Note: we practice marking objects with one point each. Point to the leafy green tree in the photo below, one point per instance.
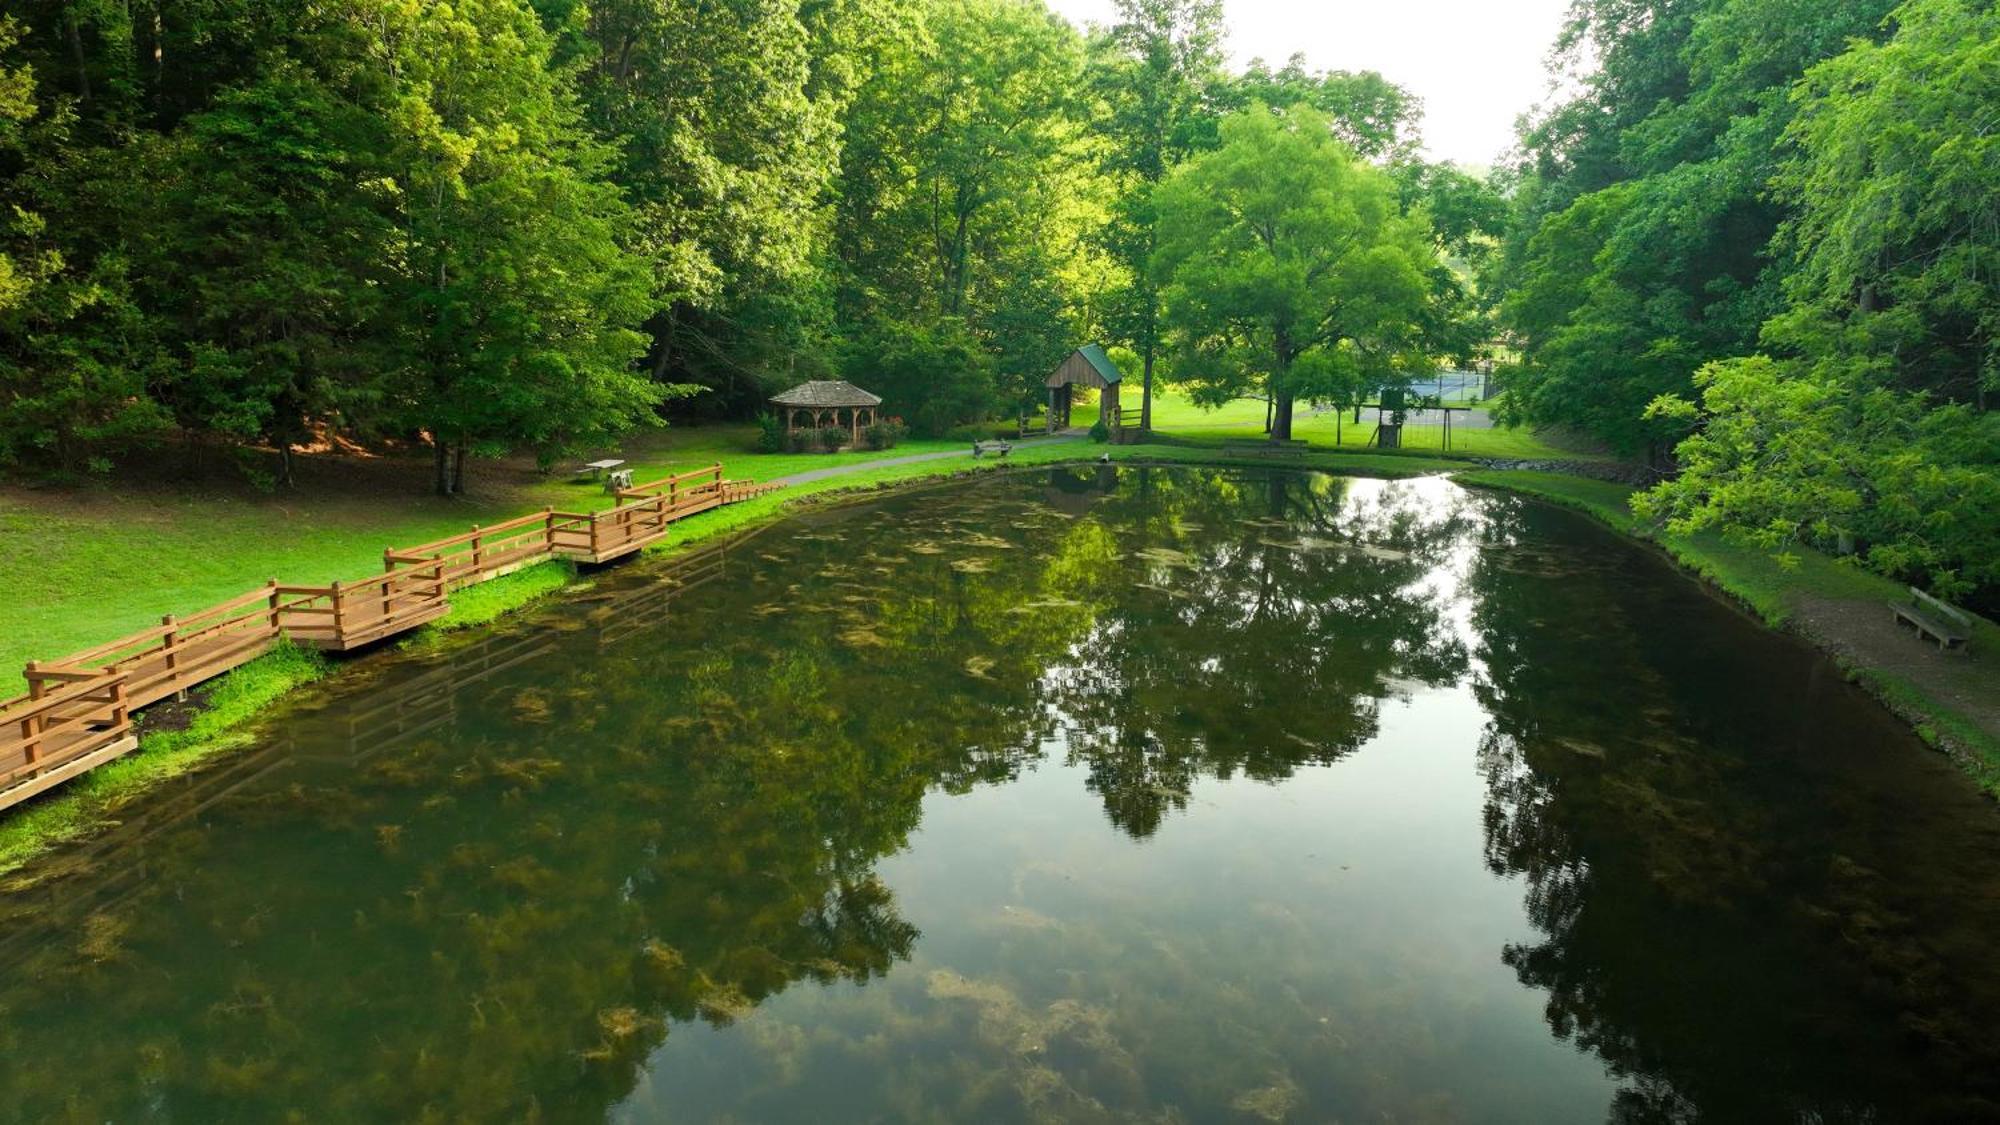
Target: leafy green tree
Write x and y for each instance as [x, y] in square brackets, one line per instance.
[516, 298]
[1377, 118]
[968, 189]
[1643, 246]
[1868, 429]
[264, 262]
[1289, 267]
[1158, 71]
[726, 151]
[1792, 453]
[1897, 190]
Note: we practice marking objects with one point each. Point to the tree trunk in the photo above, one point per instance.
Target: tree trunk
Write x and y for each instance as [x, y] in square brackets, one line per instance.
[441, 464]
[75, 37]
[458, 468]
[1281, 416]
[1146, 395]
[285, 463]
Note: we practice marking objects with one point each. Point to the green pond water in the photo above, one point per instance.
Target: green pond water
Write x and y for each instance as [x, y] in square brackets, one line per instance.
[1077, 795]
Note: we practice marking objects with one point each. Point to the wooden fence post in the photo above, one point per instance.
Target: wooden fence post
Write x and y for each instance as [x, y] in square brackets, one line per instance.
[339, 626]
[119, 715]
[275, 626]
[167, 646]
[31, 723]
[478, 554]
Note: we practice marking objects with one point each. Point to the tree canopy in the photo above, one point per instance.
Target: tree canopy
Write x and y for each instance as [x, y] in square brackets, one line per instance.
[1289, 266]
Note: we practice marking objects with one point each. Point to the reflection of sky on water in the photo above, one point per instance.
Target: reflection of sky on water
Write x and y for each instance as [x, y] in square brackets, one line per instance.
[1325, 936]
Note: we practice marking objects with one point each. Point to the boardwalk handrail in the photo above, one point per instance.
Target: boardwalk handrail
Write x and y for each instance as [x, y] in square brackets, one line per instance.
[77, 713]
[46, 730]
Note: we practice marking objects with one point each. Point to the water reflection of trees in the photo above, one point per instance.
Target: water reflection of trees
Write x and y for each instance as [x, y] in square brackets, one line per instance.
[1714, 916]
[1248, 625]
[491, 882]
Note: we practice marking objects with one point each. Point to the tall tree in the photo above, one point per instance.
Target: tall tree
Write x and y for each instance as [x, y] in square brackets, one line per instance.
[1289, 266]
[517, 299]
[967, 189]
[1868, 426]
[1643, 249]
[1157, 71]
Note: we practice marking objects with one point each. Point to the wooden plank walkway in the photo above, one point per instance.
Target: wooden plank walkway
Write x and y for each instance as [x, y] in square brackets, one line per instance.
[77, 713]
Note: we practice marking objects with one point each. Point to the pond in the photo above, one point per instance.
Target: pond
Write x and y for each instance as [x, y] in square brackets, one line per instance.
[1081, 794]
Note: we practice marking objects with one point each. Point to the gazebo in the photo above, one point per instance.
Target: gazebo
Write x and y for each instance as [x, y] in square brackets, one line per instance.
[820, 403]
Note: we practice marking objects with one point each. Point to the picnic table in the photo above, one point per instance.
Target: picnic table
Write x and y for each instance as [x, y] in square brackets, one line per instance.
[598, 468]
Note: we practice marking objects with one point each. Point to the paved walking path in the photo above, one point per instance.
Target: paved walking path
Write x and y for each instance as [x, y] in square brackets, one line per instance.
[811, 475]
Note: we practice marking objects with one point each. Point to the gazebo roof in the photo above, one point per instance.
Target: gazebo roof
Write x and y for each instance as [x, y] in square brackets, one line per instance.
[826, 392]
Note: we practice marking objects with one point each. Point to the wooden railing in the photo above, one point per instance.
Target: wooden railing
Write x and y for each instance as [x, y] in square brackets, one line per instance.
[179, 652]
[483, 552]
[53, 734]
[350, 614]
[77, 710]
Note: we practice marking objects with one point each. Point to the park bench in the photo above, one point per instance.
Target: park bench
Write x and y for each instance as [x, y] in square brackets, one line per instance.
[598, 468]
[1001, 448]
[1293, 448]
[1948, 625]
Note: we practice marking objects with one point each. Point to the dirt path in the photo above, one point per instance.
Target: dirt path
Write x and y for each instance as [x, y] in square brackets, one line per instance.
[811, 475]
[1866, 635]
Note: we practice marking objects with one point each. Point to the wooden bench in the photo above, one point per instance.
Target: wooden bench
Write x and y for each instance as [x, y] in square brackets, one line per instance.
[1002, 448]
[1948, 625]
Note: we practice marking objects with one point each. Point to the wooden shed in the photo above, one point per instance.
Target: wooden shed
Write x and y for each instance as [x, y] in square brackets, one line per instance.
[1087, 366]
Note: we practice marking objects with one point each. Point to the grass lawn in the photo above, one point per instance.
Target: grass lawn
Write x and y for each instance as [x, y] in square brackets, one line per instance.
[1177, 416]
[88, 564]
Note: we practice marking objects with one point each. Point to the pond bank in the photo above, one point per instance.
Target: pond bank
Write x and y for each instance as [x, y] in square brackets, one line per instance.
[1951, 701]
[74, 812]
[103, 797]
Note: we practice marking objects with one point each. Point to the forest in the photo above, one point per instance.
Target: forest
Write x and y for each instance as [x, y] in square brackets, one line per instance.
[1753, 246]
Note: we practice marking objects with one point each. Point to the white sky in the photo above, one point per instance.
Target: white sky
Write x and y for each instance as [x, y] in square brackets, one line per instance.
[1475, 63]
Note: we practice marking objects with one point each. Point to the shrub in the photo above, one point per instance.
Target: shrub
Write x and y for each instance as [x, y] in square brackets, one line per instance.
[1099, 432]
[770, 433]
[884, 435]
[831, 438]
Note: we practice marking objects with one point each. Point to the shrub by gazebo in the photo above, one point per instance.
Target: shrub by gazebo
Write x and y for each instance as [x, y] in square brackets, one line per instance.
[827, 402]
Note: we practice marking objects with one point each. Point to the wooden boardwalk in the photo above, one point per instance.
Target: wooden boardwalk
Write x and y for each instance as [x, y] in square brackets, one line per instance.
[77, 713]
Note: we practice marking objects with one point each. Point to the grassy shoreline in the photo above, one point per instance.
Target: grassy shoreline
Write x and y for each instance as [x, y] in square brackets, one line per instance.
[1774, 593]
[235, 703]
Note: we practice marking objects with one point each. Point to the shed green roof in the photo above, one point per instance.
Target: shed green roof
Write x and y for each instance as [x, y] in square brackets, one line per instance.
[1094, 355]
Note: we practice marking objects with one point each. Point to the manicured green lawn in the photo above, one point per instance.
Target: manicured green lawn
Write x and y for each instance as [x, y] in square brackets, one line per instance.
[85, 565]
[1176, 415]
